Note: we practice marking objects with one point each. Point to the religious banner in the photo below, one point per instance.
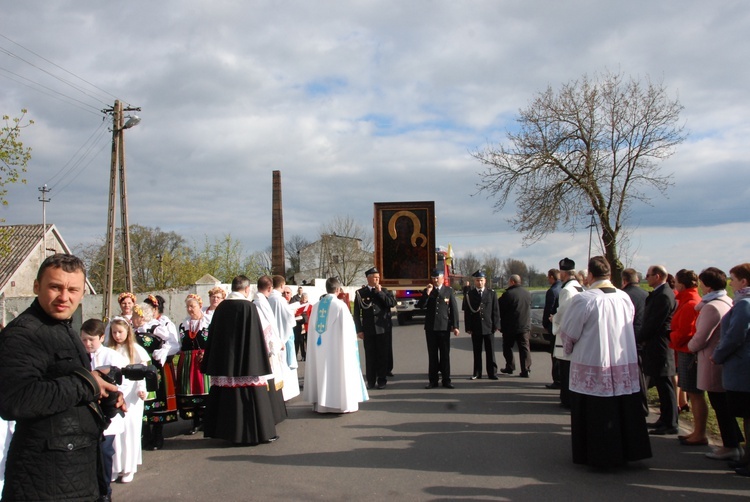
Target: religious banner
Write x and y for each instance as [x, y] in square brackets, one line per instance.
[404, 242]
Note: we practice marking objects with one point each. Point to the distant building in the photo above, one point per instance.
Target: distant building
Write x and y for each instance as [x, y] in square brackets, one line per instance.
[334, 256]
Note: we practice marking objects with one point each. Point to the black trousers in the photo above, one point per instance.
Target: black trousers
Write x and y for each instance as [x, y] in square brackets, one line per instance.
[524, 350]
[439, 355]
[564, 367]
[667, 399]
[488, 341]
[376, 358]
[731, 434]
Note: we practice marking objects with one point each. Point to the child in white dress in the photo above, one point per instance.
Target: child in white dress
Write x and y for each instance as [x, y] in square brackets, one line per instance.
[128, 443]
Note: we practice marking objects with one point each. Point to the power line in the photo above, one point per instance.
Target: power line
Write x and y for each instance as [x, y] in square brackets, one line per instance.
[60, 68]
[52, 93]
[70, 164]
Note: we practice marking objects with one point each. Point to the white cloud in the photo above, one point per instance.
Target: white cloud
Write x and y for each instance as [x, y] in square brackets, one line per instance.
[363, 102]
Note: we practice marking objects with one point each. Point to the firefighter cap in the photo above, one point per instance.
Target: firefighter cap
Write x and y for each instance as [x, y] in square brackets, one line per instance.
[437, 272]
[478, 274]
[373, 270]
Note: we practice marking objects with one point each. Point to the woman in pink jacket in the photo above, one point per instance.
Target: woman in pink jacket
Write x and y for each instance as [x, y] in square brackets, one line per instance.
[711, 309]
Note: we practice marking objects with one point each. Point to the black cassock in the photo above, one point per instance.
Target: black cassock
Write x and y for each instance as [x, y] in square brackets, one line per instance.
[242, 414]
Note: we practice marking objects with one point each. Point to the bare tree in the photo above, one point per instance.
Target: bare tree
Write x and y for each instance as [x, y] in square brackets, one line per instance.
[493, 267]
[468, 264]
[345, 250]
[594, 144]
[293, 247]
[512, 266]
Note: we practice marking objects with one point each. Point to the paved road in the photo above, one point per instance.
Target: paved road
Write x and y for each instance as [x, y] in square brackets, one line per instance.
[484, 440]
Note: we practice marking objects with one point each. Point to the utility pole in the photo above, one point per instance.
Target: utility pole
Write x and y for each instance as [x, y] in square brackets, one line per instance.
[43, 199]
[117, 170]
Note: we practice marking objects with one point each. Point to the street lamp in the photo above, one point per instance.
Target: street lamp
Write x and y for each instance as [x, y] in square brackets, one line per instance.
[118, 167]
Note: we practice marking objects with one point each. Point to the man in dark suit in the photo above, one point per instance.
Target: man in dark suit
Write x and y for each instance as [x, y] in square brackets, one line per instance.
[372, 318]
[658, 358]
[515, 323]
[550, 300]
[441, 318]
[482, 319]
[638, 295]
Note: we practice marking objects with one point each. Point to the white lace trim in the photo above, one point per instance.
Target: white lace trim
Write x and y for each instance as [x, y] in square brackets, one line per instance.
[244, 381]
[603, 381]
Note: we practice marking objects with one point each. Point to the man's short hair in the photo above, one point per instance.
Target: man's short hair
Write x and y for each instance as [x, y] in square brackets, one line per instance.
[554, 274]
[630, 275]
[240, 283]
[278, 281]
[67, 262]
[332, 284]
[264, 283]
[599, 267]
[714, 278]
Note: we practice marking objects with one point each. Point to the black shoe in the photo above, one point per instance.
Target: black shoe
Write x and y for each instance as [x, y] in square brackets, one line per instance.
[474, 377]
[743, 471]
[553, 385]
[492, 377]
[507, 371]
[271, 440]
[734, 464]
[524, 374]
[448, 386]
[664, 431]
[380, 386]
[430, 385]
[390, 374]
[654, 425]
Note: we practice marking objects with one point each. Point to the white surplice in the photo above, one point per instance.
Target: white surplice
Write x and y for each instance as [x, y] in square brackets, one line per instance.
[276, 349]
[333, 375]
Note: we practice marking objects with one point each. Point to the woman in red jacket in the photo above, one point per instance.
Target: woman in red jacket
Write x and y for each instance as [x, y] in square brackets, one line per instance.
[683, 329]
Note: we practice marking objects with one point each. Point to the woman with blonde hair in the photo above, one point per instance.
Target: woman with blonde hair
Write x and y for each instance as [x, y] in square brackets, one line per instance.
[215, 297]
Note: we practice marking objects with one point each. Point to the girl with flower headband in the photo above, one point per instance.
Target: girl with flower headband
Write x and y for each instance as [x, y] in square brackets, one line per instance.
[192, 384]
[159, 407]
[128, 442]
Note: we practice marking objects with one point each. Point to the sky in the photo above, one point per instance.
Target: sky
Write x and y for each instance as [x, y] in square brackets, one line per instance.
[361, 102]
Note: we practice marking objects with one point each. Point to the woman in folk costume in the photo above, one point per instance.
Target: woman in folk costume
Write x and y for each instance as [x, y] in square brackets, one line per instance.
[192, 385]
[160, 407]
[333, 375]
[215, 297]
[126, 301]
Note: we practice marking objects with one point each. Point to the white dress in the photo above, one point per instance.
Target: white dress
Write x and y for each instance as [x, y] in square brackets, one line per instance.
[128, 443]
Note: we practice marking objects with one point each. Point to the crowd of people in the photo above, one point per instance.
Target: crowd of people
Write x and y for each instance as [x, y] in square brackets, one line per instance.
[229, 367]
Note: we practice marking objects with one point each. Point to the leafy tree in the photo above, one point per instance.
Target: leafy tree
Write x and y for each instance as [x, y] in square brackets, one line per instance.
[14, 157]
[223, 258]
[594, 144]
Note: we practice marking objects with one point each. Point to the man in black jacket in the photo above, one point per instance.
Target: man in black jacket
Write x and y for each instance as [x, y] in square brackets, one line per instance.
[372, 319]
[441, 318]
[638, 296]
[47, 388]
[550, 300]
[482, 319]
[515, 323]
[657, 357]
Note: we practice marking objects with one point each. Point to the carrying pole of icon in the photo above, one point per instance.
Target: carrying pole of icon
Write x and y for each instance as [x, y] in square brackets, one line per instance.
[117, 171]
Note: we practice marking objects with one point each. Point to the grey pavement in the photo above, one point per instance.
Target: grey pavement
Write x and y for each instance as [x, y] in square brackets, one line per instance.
[483, 440]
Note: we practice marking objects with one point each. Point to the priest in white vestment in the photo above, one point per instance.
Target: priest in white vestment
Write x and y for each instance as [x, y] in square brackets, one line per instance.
[283, 374]
[333, 375]
[608, 426]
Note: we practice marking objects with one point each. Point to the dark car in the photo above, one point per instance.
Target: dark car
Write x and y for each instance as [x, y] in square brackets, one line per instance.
[537, 311]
